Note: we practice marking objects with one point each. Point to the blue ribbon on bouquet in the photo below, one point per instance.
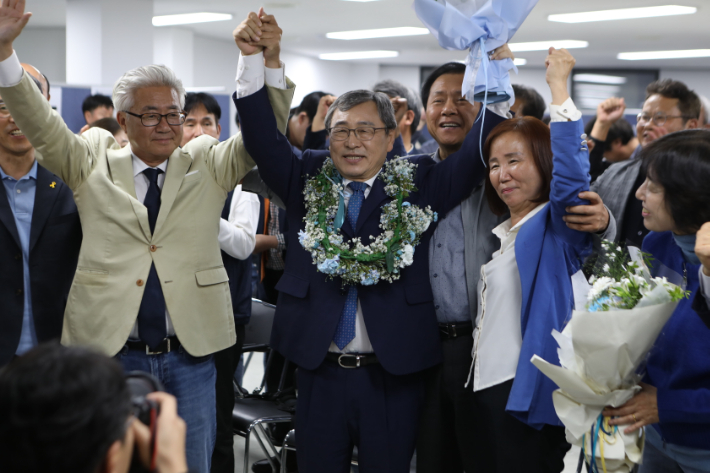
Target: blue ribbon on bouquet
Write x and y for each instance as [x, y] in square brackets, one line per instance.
[598, 437]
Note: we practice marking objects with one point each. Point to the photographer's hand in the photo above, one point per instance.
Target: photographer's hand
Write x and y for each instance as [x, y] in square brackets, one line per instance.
[170, 437]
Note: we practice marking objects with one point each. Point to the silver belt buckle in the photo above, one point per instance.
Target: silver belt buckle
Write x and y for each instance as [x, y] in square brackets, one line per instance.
[453, 333]
[148, 352]
[346, 356]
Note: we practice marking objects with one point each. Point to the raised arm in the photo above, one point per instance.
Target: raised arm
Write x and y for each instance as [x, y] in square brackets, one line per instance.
[570, 157]
[257, 37]
[70, 157]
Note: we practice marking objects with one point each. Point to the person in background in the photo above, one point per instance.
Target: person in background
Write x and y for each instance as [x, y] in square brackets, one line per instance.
[69, 410]
[410, 118]
[528, 102]
[674, 401]
[301, 119]
[669, 107]
[612, 137]
[111, 125]
[704, 112]
[96, 107]
[43, 81]
[40, 237]
[237, 229]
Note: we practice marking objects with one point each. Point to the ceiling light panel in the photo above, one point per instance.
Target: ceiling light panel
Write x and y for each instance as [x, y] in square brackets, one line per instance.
[648, 55]
[622, 14]
[189, 18]
[357, 55]
[378, 33]
[545, 45]
[518, 61]
[599, 79]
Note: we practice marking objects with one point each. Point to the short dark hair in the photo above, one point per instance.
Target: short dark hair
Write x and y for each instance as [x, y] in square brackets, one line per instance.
[533, 103]
[109, 124]
[92, 102]
[537, 135]
[688, 101]
[36, 81]
[680, 163]
[193, 99]
[448, 68]
[47, 79]
[61, 408]
[392, 89]
[309, 104]
[355, 97]
[619, 130]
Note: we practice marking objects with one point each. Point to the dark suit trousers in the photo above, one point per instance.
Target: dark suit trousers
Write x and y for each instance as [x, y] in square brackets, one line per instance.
[447, 429]
[503, 444]
[226, 362]
[339, 408]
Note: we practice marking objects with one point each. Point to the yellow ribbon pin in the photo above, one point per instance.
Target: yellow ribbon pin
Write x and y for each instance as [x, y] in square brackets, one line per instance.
[53, 185]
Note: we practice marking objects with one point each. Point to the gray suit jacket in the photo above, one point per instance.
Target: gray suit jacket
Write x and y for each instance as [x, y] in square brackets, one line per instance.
[615, 186]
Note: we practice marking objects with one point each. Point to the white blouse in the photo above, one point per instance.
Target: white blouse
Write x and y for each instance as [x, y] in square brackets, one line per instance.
[497, 338]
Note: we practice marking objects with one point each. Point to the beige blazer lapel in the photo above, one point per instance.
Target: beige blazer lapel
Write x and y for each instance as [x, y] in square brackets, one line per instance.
[120, 164]
[178, 164]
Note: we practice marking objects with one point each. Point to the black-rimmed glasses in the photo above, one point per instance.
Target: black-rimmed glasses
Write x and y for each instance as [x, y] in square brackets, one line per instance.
[152, 119]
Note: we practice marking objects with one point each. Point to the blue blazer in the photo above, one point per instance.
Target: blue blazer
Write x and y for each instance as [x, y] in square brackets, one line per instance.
[399, 316]
[55, 239]
[548, 253]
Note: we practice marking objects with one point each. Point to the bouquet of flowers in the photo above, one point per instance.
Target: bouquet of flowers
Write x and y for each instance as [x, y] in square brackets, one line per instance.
[601, 351]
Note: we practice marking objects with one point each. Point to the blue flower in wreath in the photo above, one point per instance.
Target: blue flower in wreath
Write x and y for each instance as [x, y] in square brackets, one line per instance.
[435, 217]
[406, 204]
[370, 278]
[330, 265]
[598, 304]
[302, 238]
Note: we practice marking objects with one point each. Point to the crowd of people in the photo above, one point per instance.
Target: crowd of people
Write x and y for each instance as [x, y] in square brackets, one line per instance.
[415, 272]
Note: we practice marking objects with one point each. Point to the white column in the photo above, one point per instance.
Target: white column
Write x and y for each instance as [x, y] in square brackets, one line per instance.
[106, 38]
[174, 47]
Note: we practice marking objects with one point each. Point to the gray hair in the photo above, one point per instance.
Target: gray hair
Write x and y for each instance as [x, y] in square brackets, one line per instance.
[355, 97]
[392, 89]
[146, 76]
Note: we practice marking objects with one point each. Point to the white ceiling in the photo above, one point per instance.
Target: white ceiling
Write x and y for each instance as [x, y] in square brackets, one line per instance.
[305, 23]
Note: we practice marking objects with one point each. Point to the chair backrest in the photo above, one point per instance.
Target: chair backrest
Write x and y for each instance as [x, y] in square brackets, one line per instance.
[257, 332]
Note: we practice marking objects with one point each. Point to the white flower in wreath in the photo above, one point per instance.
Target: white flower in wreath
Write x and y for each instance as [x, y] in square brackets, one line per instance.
[407, 255]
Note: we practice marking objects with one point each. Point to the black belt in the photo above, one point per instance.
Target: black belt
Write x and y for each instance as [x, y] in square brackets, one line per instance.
[166, 346]
[352, 360]
[458, 329]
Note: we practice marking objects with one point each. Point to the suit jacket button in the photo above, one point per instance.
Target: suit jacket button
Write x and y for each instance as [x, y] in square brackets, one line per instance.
[18, 292]
[139, 282]
[18, 256]
[153, 248]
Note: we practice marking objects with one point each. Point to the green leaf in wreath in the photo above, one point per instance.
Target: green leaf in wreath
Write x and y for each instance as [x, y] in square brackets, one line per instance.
[389, 258]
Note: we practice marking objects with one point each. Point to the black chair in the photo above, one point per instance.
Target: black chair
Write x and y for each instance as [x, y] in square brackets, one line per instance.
[253, 410]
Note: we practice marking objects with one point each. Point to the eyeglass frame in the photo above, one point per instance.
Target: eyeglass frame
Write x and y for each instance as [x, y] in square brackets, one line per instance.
[330, 132]
[141, 115]
[652, 119]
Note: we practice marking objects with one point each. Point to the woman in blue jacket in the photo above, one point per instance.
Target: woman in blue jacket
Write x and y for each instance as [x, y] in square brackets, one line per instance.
[525, 291]
[675, 396]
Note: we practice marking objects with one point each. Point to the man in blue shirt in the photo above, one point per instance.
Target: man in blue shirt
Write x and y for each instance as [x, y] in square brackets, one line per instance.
[40, 236]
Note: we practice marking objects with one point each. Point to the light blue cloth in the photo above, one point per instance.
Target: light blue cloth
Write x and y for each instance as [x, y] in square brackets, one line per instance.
[661, 457]
[465, 25]
[345, 332]
[686, 243]
[21, 197]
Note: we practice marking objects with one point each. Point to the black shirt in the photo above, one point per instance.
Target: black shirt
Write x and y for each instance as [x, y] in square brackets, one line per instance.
[632, 229]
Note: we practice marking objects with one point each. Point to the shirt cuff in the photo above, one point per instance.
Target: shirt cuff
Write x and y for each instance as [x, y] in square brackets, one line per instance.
[276, 77]
[567, 112]
[282, 242]
[10, 71]
[250, 74]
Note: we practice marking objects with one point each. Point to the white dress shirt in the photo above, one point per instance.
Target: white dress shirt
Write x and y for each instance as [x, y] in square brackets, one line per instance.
[237, 234]
[497, 338]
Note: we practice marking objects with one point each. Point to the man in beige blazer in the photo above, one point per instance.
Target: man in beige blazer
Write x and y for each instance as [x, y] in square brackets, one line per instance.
[150, 286]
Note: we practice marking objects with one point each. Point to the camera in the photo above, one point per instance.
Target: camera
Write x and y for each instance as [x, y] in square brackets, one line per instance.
[140, 384]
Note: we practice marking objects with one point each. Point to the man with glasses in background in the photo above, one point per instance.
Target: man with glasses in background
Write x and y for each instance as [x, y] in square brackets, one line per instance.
[669, 107]
[150, 287]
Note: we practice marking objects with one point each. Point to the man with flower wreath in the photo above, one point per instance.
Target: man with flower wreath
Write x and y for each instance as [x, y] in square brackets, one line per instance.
[355, 311]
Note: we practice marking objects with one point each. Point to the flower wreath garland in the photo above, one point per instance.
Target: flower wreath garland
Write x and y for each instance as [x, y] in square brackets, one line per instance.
[402, 225]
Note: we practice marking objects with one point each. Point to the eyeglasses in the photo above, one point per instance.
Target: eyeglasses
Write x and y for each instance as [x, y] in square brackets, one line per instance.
[4, 111]
[363, 133]
[152, 119]
[658, 118]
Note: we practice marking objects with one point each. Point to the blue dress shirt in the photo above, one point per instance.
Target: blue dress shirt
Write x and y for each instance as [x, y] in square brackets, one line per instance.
[21, 196]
